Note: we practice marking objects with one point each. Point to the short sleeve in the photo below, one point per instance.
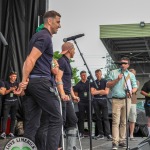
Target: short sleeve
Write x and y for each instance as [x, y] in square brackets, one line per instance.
[42, 43]
[61, 63]
[144, 88]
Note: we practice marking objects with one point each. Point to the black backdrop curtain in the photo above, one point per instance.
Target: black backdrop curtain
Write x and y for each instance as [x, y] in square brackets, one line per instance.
[18, 22]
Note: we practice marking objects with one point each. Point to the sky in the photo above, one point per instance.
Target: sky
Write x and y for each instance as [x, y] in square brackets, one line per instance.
[85, 16]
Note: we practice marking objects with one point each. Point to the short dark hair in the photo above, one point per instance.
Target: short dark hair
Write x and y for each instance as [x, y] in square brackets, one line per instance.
[12, 72]
[126, 58]
[82, 72]
[98, 70]
[131, 70]
[50, 14]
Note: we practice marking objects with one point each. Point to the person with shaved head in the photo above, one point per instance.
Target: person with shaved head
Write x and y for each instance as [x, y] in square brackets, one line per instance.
[63, 81]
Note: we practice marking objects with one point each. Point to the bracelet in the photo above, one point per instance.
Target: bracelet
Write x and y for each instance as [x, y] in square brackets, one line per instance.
[59, 83]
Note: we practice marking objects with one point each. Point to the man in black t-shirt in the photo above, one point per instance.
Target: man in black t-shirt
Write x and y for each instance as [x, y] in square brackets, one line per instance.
[2, 92]
[63, 81]
[146, 92]
[41, 98]
[100, 105]
[10, 105]
[81, 89]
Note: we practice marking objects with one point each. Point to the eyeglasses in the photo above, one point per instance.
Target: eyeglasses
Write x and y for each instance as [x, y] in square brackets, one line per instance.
[123, 63]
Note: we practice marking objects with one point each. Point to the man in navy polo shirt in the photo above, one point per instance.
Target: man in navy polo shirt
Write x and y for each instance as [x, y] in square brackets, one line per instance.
[42, 98]
[63, 81]
[100, 105]
[81, 89]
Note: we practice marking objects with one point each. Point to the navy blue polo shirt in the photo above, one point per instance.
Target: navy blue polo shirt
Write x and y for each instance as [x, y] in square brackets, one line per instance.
[11, 96]
[64, 65]
[1, 85]
[43, 41]
[101, 86]
[83, 90]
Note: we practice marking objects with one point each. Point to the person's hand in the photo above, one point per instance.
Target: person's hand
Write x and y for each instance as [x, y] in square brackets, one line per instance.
[65, 97]
[21, 88]
[129, 94]
[76, 99]
[120, 76]
[23, 84]
[12, 89]
[19, 92]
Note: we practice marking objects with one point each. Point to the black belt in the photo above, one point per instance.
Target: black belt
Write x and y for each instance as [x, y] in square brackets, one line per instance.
[119, 97]
[11, 100]
[99, 97]
[36, 76]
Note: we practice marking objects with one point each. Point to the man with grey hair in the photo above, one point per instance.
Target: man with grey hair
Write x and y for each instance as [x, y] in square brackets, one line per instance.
[40, 90]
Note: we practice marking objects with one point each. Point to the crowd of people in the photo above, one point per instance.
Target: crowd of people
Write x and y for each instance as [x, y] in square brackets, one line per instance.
[44, 114]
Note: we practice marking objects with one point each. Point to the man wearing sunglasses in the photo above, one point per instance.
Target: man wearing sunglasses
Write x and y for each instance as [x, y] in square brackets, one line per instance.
[118, 86]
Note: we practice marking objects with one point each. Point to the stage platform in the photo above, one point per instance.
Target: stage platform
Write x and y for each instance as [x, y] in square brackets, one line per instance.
[96, 144]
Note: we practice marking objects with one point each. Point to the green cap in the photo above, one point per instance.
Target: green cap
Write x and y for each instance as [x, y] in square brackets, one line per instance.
[39, 28]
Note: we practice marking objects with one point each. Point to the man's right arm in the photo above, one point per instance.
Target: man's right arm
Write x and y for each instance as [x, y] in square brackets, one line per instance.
[10, 90]
[112, 83]
[145, 94]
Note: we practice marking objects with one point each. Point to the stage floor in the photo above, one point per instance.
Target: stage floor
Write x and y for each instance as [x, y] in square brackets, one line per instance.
[96, 144]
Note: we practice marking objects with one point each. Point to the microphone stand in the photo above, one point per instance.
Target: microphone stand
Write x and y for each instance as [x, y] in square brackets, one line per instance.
[90, 98]
[126, 99]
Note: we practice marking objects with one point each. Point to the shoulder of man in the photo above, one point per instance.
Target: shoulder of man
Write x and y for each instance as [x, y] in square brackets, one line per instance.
[2, 84]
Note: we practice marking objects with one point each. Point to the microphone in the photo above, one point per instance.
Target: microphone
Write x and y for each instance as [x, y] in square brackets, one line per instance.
[120, 63]
[3, 39]
[73, 37]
